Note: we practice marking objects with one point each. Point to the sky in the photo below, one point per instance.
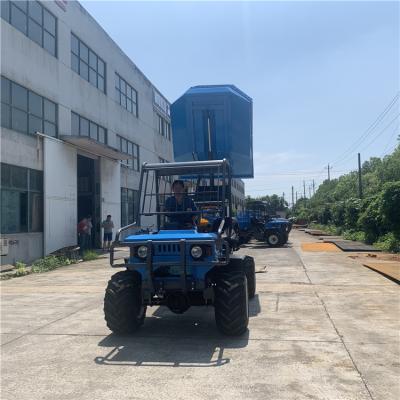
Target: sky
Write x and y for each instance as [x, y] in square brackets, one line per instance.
[319, 74]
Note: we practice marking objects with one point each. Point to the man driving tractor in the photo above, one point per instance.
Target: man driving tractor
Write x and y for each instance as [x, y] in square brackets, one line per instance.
[179, 204]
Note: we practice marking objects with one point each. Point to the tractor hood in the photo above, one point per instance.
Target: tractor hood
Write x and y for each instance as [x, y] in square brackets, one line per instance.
[170, 235]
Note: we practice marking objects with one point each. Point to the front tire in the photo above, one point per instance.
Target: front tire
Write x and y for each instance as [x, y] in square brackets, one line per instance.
[231, 303]
[250, 271]
[123, 309]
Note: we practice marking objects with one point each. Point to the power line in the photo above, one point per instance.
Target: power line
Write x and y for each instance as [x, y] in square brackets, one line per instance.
[373, 140]
[383, 130]
[396, 130]
[369, 130]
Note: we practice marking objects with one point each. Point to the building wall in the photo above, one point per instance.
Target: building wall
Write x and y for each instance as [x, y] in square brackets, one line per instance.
[26, 63]
[60, 195]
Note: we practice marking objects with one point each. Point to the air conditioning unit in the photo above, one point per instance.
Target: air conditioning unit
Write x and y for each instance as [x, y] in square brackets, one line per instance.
[4, 246]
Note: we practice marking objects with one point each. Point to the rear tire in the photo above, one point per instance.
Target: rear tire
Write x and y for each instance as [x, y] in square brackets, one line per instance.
[231, 303]
[273, 239]
[123, 308]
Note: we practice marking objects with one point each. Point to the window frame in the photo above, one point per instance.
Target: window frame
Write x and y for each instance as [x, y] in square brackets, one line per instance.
[30, 192]
[28, 112]
[90, 122]
[134, 162]
[133, 99]
[126, 194]
[87, 63]
[29, 18]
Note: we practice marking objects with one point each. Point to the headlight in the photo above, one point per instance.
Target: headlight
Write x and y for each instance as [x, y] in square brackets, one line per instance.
[142, 251]
[196, 251]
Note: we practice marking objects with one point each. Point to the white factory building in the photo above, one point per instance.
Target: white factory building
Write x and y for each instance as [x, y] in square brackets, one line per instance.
[73, 105]
[78, 118]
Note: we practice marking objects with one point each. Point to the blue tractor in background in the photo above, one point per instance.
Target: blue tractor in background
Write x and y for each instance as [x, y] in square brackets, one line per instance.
[256, 223]
[184, 266]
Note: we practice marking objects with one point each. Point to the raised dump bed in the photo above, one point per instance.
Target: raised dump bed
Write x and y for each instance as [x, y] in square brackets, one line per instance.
[214, 122]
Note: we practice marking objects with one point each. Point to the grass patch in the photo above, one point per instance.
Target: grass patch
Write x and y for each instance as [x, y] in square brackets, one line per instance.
[89, 255]
[49, 263]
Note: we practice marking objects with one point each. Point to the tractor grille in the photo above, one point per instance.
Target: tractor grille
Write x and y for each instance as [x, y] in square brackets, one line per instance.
[167, 249]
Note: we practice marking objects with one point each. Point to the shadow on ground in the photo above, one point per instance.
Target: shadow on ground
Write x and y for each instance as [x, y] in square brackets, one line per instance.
[261, 245]
[169, 340]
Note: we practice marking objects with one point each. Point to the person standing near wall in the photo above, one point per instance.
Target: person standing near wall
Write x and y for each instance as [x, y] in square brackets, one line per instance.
[89, 243]
[108, 226]
[83, 235]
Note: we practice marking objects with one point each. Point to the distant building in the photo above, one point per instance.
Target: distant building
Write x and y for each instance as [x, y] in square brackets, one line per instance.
[238, 195]
[73, 106]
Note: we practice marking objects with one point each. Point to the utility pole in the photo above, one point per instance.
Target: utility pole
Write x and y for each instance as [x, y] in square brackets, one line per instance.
[292, 197]
[329, 173]
[360, 192]
[304, 188]
[283, 196]
[296, 196]
[313, 187]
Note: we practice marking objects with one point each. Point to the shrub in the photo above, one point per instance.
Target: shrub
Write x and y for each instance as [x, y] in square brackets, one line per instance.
[331, 229]
[20, 269]
[389, 242]
[390, 206]
[49, 263]
[352, 209]
[370, 220]
[90, 255]
[338, 213]
[354, 235]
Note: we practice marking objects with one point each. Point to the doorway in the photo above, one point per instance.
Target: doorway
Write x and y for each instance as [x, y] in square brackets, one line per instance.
[89, 195]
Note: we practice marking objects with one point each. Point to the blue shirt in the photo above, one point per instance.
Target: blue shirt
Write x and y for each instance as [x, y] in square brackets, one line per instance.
[187, 205]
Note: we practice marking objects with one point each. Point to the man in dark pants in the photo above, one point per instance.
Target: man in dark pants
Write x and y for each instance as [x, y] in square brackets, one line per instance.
[179, 204]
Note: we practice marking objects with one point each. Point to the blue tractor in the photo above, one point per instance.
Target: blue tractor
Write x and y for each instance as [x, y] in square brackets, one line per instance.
[175, 265]
[256, 223]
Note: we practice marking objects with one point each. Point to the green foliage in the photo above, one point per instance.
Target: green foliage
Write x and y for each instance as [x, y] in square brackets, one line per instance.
[389, 242]
[90, 255]
[390, 206]
[49, 263]
[354, 235]
[20, 269]
[336, 202]
[330, 229]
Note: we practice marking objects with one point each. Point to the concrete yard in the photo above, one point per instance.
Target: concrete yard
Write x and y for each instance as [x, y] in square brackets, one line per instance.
[322, 327]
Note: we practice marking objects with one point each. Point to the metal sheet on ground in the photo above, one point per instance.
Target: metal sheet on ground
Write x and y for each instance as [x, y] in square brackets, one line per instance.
[350, 245]
[389, 269]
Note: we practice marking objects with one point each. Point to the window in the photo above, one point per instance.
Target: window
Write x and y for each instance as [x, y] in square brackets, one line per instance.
[128, 147]
[84, 127]
[126, 95]
[166, 178]
[21, 199]
[163, 127]
[34, 21]
[129, 206]
[25, 111]
[87, 63]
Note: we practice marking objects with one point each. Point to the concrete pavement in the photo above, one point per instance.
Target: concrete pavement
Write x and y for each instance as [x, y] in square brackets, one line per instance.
[322, 327]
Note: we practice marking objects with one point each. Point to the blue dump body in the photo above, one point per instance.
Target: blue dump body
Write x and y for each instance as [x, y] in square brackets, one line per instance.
[213, 122]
